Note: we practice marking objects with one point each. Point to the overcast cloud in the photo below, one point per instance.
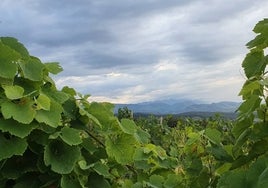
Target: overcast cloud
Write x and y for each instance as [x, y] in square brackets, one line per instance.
[128, 51]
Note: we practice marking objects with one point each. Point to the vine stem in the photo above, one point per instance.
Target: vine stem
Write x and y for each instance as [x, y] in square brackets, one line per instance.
[95, 138]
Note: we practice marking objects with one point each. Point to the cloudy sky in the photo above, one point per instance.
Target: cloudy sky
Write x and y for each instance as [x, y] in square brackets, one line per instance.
[129, 51]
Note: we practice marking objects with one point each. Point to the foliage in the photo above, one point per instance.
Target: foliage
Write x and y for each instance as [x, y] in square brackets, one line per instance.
[124, 113]
[56, 138]
[249, 151]
[200, 146]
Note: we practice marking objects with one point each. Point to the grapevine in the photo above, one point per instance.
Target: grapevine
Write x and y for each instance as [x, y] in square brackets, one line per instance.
[52, 137]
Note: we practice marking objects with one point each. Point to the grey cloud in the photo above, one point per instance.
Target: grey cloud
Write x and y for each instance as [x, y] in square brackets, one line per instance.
[96, 37]
[217, 10]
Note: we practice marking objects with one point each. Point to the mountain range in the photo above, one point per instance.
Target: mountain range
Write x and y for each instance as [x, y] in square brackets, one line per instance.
[171, 106]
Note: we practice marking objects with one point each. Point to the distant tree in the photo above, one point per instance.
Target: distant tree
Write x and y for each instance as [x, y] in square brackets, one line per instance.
[171, 120]
[124, 113]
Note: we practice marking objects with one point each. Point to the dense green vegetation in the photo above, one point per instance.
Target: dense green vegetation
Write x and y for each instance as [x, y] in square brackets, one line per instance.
[56, 138]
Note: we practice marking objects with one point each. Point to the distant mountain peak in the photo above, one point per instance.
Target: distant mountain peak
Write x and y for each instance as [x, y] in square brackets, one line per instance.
[176, 106]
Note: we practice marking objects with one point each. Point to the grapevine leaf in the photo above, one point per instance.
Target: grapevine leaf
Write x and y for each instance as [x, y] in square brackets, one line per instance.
[61, 156]
[141, 159]
[173, 180]
[71, 136]
[156, 181]
[51, 117]
[213, 135]
[89, 145]
[254, 63]
[16, 128]
[6, 81]
[250, 87]
[242, 125]
[233, 179]
[13, 92]
[219, 153]
[241, 139]
[98, 181]
[53, 67]
[43, 102]
[32, 69]
[248, 106]
[261, 26]
[224, 168]
[28, 85]
[259, 41]
[11, 145]
[101, 169]
[103, 113]
[8, 63]
[121, 147]
[67, 181]
[15, 109]
[15, 45]
[16, 166]
[58, 96]
[128, 126]
[256, 173]
[140, 155]
[69, 90]
[263, 179]
[142, 136]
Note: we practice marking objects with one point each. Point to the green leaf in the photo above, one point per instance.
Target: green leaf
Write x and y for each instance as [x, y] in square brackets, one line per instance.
[11, 145]
[68, 181]
[254, 63]
[259, 42]
[242, 125]
[51, 117]
[121, 147]
[70, 136]
[156, 181]
[101, 169]
[13, 92]
[32, 69]
[89, 145]
[223, 168]
[249, 87]
[15, 109]
[43, 102]
[263, 179]
[61, 156]
[249, 106]
[255, 172]
[8, 59]
[233, 179]
[69, 90]
[53, 67]
[128, 126]
[240, 142]
[103, 113]
[219, 153]
[261, 26]
[173, 180]
[15, 128]
[6, 81]
[213, 135]
[97, 181]
[142, 136]
[15, 45]
[58, 96]
[16, 166]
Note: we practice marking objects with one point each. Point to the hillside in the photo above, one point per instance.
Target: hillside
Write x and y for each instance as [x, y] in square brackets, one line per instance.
[179, 106]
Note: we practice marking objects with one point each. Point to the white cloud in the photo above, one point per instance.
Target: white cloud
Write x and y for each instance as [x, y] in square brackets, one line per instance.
[124, 51]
